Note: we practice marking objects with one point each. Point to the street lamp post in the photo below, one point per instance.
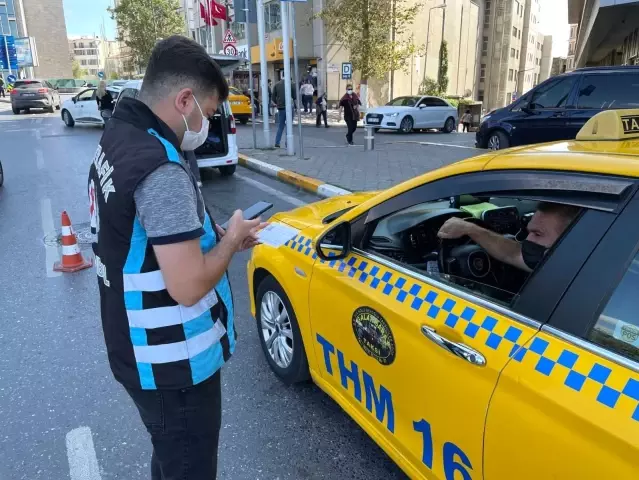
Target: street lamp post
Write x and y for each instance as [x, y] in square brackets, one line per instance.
[443, 5]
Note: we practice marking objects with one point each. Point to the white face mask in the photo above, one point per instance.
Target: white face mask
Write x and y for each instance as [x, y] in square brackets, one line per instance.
[350, 92]
[192, 139]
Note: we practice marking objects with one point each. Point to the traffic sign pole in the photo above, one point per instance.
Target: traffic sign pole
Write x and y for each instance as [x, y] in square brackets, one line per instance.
[266, 100]
[297, 83]
[290, 147]
[251, 82]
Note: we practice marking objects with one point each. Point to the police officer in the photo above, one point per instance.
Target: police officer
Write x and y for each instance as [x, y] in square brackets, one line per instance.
[166, 303]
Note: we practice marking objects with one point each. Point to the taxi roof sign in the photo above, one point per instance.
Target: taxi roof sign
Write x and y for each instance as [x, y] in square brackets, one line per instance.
[611, 125]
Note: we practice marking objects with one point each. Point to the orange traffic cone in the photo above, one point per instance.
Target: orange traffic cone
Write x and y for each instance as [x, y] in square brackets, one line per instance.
[72, 260]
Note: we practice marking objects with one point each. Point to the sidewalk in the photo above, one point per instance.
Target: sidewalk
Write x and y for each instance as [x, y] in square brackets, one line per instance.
[394, 159]
[333, 118]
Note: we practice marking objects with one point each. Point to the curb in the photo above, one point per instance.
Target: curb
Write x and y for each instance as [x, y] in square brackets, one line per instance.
[312, 185]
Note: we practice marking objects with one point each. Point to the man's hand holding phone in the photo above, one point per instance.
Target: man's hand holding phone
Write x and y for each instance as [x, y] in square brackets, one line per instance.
[242, 233]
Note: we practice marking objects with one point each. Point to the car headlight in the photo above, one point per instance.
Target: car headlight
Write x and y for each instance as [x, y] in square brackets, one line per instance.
[391, 115]
[484, 118]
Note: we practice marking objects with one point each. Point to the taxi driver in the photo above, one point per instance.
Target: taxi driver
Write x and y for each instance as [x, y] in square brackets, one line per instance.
[545, 227]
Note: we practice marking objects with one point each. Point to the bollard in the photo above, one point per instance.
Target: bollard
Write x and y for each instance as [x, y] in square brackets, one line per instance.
[369, 139]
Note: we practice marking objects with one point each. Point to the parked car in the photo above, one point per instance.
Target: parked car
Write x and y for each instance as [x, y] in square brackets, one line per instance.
[240, 105]
[220, 149]
[83, 108]
[456, 362]
[33, 93]
[557, 108]
[413, 113]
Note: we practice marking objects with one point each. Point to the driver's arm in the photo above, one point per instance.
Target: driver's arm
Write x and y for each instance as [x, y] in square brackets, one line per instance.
[499, 247]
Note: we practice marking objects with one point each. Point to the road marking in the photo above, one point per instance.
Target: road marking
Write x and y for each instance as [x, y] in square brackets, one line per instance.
[52, 254]
[272, 191]
[448, 145]
[37, 135]
[39, 159]
[83, 462]
[39, 120]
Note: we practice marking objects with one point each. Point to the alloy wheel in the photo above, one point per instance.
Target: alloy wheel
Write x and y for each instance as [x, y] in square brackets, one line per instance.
[276, 329]
[493, 142]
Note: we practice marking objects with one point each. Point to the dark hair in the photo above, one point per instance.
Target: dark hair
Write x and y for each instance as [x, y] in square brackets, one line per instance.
[569, 212]
[178, 62]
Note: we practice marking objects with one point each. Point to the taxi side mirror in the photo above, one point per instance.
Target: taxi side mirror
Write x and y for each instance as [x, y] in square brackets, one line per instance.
[336, 243]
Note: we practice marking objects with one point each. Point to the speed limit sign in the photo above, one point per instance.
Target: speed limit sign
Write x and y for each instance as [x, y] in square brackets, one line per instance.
[230, 50]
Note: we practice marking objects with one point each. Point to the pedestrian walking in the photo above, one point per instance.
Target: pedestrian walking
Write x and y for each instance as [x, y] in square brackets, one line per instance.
[350, 104]
[279, 99]
[105, 101]
[270, 96]
[307, 97]
[466, 120]
[2, 87]
[322, 110]
[166, 304]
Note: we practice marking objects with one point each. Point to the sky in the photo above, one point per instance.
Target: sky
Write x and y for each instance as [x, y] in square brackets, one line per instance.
[554, 21]
[85, 18]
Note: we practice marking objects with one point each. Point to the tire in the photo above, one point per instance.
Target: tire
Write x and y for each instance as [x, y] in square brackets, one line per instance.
[1, 175]
[67, 118]
[228, 170]
[449, 125]
[50, 109]
[16, 111]
[498, 140]
[407, 124]
[27, 110]
[243, 121]
[375, 130]
[291, 365]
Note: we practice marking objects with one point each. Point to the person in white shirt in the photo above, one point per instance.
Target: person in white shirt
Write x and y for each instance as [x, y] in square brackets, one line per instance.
[307, 97]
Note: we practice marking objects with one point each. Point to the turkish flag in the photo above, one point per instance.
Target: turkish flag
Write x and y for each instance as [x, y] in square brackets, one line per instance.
[208, 19]
[217, 10]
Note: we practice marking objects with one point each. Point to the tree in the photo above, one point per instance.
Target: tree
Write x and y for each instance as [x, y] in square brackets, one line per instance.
[429, 87]
[114, 76]
[364, 27]
[141, 23]
[76, 70]
[442, 73]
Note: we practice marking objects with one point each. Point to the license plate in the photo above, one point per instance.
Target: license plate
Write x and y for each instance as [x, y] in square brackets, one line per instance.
[28, 94]
[236, 103]
[373, 120]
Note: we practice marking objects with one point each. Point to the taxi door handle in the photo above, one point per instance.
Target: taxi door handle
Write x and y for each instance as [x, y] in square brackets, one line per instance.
[458, 349]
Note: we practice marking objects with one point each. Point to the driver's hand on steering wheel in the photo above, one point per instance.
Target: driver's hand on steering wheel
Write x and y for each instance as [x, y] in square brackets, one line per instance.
[454, 228]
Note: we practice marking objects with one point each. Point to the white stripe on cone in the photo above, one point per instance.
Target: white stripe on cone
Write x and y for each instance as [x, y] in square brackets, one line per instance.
[67, 231]
[70, 249]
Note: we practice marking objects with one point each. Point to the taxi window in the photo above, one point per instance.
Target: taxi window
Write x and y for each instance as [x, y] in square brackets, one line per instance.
[609, 91]
[617, 328]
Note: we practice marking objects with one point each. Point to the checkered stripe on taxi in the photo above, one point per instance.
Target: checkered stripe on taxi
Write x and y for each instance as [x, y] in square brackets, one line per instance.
[574, 369]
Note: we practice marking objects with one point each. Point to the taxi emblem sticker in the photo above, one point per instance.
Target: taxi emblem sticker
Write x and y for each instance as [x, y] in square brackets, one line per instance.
[374, 335]
[630, 123]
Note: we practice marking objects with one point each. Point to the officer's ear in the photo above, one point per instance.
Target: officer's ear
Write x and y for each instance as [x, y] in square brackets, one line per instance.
[184, 101]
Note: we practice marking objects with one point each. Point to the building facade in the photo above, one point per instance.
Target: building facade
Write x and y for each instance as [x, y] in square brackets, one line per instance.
[321, 56]
[607, 32]
[512, 51]
[44, 21]
[559, 66]
[89, 52]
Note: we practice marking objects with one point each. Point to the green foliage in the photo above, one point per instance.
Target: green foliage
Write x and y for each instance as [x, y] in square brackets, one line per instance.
[429, 87]
[453, 101]
[442, 74]
[76, 70]
[114, 76]
[364, 27]
[141, 23]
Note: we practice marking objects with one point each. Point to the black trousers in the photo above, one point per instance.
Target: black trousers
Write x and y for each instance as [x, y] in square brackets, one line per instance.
[185, 427]
[351, 123]
[321, 114]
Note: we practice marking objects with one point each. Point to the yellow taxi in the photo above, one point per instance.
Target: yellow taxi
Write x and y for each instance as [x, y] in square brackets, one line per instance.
[460, 361]
[240, 105]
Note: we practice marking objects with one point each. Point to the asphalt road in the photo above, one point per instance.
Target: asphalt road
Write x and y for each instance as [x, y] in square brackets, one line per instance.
[62, 416]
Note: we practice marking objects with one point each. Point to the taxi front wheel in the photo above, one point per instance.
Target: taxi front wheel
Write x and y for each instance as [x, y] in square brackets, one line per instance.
[279, 333]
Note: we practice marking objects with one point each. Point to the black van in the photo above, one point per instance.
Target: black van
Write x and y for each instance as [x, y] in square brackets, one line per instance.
[557, 108]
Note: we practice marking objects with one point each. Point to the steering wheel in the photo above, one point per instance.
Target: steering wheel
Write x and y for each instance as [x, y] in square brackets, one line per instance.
[462, 258]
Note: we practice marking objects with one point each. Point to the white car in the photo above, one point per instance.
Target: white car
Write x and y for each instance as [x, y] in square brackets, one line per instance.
[83, 107]
[220, 149]
[413, 113]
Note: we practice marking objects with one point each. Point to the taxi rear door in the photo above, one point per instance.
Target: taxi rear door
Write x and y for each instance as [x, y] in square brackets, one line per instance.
[567, 404]
[416, 360]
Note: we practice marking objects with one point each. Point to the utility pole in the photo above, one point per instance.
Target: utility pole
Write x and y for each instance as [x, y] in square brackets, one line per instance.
[393, 28]
[297, 83]
[247, 8]
[290, 147]
[266, 100]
